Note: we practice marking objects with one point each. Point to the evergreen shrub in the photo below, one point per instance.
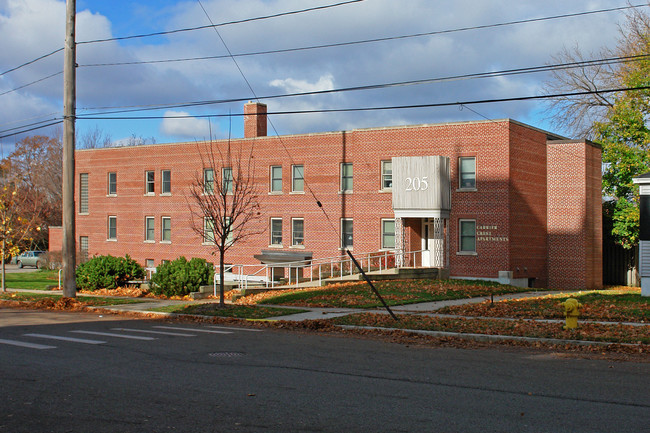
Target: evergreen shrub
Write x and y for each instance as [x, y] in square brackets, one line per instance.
[181, 277]
[107, 272]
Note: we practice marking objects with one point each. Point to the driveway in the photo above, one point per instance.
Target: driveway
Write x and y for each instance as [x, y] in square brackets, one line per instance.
[14, 268]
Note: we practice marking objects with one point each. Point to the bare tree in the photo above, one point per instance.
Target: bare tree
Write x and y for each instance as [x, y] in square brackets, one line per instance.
[94, 139]
[577, 115]
[224, 201]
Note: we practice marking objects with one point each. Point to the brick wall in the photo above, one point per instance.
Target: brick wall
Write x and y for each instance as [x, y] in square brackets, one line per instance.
[509, 203]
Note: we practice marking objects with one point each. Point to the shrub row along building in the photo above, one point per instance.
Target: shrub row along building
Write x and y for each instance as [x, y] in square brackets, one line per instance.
[494, 200]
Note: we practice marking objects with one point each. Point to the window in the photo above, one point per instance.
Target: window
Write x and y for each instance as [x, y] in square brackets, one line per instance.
[467, 234]
[346, 233]
[149, 227]
[387, 234]
[467, 172]
[276, 231]
[112, 183]
[208, 231]
[166, 182]
[83, 193]
[346, 176]
[297, 231]
[386, 175]
[166, 229]
[112, 228]
[148, 263]
[149, 178]
[226, 174]
[276, 178]
[83, 248]
[208, 181]
[297, 178]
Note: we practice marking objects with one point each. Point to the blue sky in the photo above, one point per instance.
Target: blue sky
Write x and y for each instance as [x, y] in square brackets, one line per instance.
[31, 28]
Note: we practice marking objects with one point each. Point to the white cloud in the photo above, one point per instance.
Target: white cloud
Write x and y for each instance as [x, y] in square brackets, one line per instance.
[291, 85]
[185, 127]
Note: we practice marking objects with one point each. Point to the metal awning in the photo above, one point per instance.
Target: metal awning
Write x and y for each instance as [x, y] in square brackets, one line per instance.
[271, 257]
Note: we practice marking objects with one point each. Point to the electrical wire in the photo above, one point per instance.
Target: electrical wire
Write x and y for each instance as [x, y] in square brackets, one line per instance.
[30, 84]
[489, 74]
[383, 108]
[364, 41]
[212, 25]
[31, 62]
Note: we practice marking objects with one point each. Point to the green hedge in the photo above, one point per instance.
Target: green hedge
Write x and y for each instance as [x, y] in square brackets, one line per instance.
[107, 272]
[180, 277]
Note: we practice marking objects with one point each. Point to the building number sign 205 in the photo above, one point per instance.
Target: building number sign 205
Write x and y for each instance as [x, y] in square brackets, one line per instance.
[417, 183]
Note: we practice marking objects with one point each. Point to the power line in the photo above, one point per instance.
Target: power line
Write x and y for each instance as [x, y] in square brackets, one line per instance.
[31, 129]
[363, 41]
[32, 83]
[489, 74]
[31, 61]
[246, 20]
[383, 108]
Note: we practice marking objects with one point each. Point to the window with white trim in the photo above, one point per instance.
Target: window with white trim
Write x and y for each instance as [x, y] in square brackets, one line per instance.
[467, 236]
[112, 228]
[386, 175]
[227, 181]
[346, 177]
[388, 234]
[208, 230]
[276, 231]
[467, 172]
[276, 179]
[166, 185]
[112, 183]
[149, 229]
[297, 231]
[346, 233]
[83, 248]
[83, 192]
[208, 181]
[297, 178]
[149, 182]
[166, 231]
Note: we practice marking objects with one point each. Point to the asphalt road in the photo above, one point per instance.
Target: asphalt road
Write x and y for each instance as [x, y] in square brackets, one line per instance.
[199, 378]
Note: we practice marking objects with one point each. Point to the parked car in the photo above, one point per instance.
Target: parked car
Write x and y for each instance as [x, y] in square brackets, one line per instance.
[31, 258]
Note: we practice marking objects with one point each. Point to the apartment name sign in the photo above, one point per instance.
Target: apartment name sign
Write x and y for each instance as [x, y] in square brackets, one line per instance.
[485, 234]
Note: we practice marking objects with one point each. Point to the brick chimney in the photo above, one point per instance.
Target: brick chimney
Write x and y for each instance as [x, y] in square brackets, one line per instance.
[254, 120]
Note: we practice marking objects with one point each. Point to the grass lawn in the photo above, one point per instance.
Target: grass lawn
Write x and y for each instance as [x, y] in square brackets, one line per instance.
[622, 304]
[394, 292]
[93, 301]
[37, 280]
[237, 311]
[586, 331]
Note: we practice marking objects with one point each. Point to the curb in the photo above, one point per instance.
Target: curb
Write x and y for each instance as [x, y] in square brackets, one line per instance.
[488, 338]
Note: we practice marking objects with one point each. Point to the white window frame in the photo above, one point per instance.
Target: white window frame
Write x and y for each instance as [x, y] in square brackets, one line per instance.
[227, 179]
[461, 173]
[165, 184]
[344, 244]
[386, 177]
[208, 231]
[83, 248]
[297, 241]
[83, 193]
[344, 178]
[111, 189]
[164, 231]
[149, 184]
[274, 233]
[272, 179]
[147, 220]
[383, 234]
[208, 182]
[112, 218]
[294, 178]
[462, 251]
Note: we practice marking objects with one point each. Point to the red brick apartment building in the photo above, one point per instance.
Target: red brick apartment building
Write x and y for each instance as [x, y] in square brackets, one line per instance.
[490, 199]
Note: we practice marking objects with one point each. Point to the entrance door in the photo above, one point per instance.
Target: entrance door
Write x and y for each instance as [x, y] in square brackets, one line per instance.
[433, 242]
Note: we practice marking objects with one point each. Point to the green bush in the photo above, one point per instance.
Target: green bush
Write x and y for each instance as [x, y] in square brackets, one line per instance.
[180, 277]
[107, 272]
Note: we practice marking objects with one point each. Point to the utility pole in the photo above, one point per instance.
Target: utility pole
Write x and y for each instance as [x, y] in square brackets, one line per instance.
[69, 113]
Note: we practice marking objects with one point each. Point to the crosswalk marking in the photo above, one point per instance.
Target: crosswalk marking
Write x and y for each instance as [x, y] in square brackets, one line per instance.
[110, 334]
[25, 344]
[62, 338]
[212, 331]
[235, 329]
[174, 334]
